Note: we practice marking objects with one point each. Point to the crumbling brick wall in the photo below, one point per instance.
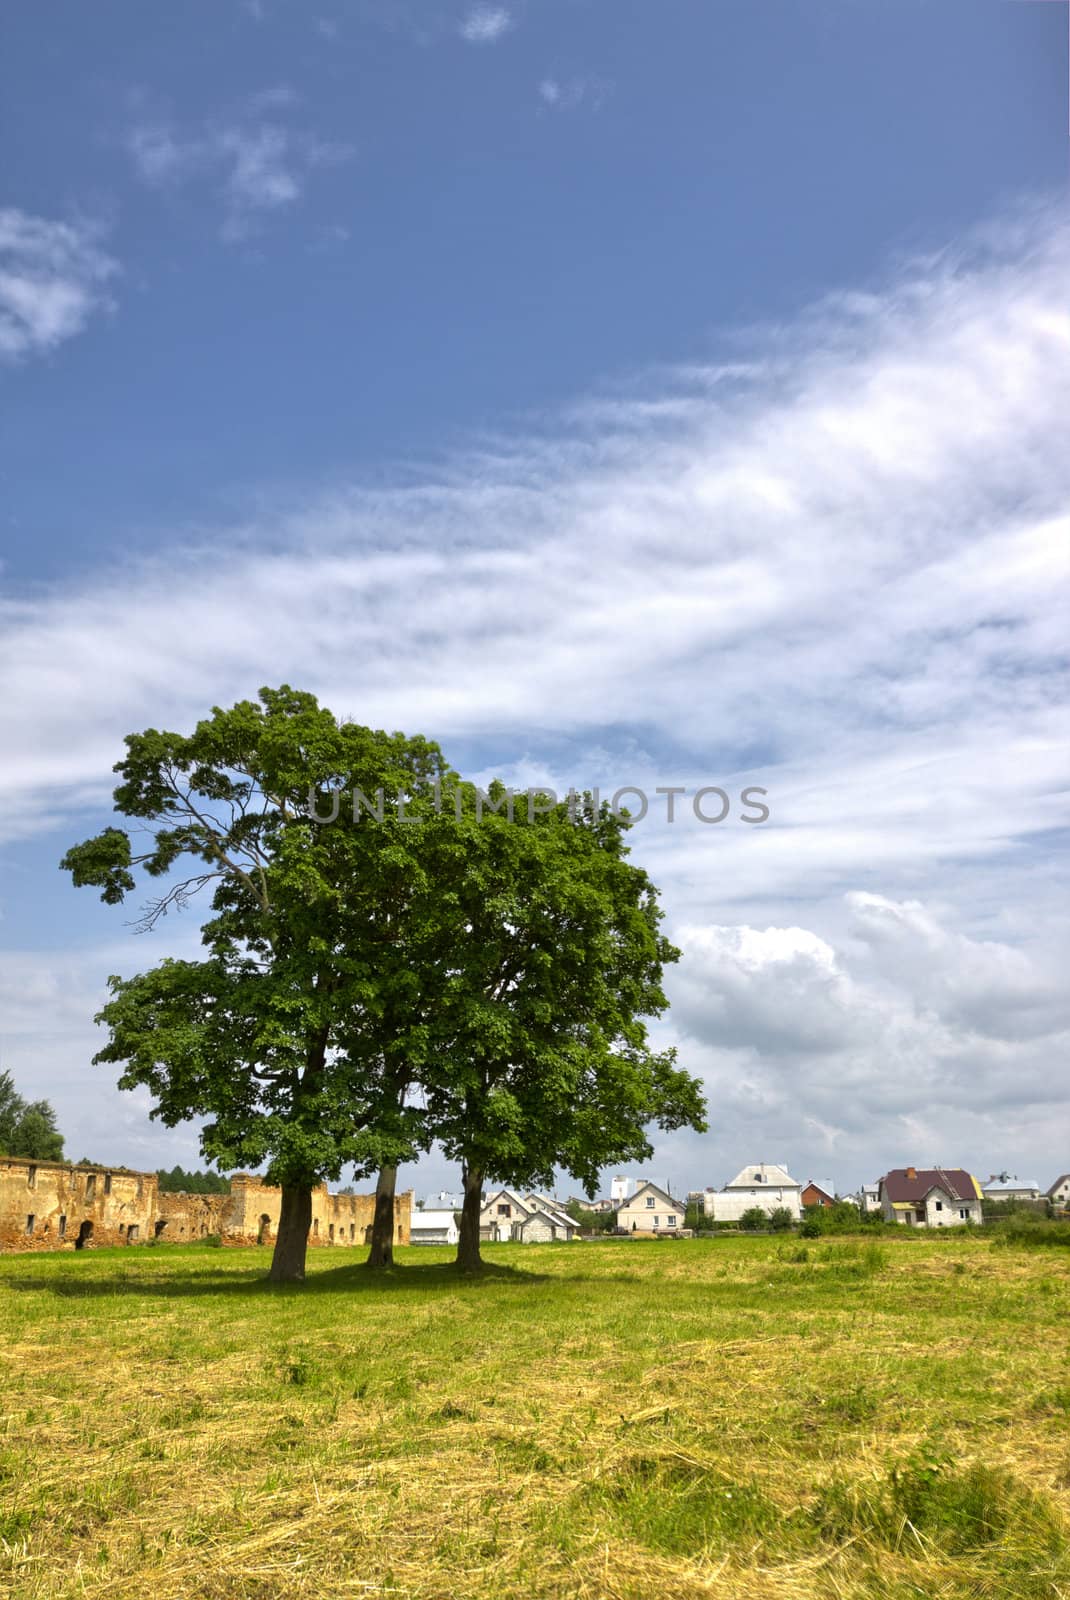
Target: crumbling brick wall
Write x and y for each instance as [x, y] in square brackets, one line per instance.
[47, 1205]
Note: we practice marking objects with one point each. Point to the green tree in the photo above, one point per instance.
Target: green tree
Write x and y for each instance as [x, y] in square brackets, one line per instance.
[27, 1127]
[754, 1218]
[780, 1219]
[538, 1057]
[276, 1035]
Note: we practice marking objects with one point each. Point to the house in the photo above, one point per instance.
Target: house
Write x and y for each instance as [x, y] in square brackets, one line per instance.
[651, 1210]
[930, 1197]
[525, 1219]
[1059, 1193]
[1000, 1187]
[766, 1186]
[817, 1194]
[869, 1197]
[433, 1227]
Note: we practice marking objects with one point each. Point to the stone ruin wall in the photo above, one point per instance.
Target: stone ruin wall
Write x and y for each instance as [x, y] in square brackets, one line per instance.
[46, 1205]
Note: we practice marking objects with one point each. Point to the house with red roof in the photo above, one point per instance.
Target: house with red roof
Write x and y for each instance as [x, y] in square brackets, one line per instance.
[930, 1197]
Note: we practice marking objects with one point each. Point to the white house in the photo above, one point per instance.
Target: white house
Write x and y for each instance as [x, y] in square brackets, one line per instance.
[651, 1210]
[1003, 1188]
[765, 1185]
[869, 1197]
[1059, 1193]
[527, 1219]
[433, 1227]
[930, 1197]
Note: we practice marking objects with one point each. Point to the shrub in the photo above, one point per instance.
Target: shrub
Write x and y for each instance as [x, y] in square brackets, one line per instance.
[780, 1219]
[753, 1218]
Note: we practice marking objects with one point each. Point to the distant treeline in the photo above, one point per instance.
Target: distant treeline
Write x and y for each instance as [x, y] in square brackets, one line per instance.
[179, 1181]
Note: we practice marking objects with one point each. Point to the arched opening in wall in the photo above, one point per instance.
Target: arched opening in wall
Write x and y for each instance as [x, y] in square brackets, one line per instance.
[352, 1232]
[160, 1226]
[330, 1232]
[263, 1232]
[30, 1222]
[315, 1227]
[85, 1233]
[368, 1234]
[62, 1227]
[132, 1232]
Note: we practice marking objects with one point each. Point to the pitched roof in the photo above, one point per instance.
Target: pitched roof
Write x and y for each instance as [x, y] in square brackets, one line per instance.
[667, 1198]
[1010, 1186]
[955, 1182]
[763, 1174]
[822, 1188]
[1063, 1177]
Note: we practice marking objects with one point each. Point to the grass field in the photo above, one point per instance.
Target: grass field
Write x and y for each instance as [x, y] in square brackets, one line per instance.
[726, 1417]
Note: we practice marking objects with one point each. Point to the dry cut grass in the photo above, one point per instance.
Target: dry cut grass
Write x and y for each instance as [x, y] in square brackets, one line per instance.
[721, 1418]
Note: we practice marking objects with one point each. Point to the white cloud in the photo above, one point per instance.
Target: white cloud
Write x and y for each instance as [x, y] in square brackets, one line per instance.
[917, 1047]
[256, 159]
[53, 278]
[566, 94]
[485, 24]
[834, 564]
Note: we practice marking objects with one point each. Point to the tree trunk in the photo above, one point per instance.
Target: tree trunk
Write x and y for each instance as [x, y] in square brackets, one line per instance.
[291, 1241]
[468, 1257]
[381, 1255]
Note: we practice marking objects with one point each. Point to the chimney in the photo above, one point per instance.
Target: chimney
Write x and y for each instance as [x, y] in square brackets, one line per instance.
[912, 1173]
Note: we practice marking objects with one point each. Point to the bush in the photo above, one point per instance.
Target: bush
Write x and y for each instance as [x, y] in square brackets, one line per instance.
[780, 1219]
[1033, 1233]
[754, 1218]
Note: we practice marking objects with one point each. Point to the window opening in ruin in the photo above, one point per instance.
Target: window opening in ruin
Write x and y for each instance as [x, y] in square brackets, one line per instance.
[160, 1226]
[107, 1183]
[132, 1233]
[31, 1177]
[29, 1223]
[90, 1185]
[62, 1227]
[264, 1229]
[85, 1233]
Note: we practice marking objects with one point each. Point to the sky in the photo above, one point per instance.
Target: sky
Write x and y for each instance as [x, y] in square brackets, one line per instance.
[620, 392]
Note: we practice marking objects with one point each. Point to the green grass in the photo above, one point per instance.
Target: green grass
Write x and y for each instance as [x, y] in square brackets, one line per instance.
[759, 1417]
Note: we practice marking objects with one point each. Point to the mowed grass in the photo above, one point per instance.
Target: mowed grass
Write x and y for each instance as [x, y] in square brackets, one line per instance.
[726, 1417]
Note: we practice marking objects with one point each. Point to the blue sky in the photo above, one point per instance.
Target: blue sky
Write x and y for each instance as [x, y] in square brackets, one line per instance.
[708, 358]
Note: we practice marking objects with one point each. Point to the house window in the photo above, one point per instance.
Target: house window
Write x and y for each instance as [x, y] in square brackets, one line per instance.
[670, 1222]
[505, 1211]
[965, 1215]
[939, 1205]
[650, 1202]
[759, 1177]
[655, 1222]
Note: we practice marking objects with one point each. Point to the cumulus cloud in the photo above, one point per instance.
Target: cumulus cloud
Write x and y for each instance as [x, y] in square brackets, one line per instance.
[833, 563]
[909, 1044]
[53, 279]
[256, 159]
[485, 24]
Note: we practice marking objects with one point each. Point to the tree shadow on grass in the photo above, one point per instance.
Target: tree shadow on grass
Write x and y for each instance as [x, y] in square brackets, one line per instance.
[251, 1283]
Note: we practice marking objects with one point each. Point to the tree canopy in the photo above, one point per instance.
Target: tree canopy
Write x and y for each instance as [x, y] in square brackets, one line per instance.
[474, 974]
[268, 1036]
[27, 1127]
